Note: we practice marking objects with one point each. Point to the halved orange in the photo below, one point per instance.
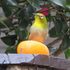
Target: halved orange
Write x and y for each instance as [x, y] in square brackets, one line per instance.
[32, 47]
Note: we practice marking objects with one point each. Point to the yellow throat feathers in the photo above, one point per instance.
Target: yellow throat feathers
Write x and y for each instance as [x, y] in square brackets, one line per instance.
[40, 21]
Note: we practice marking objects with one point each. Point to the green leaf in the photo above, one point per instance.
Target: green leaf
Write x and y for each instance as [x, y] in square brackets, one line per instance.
[24, 23]
[22, 34]
[9, 40]
[25, 17]
[67, 14]
[12, 2]
[6, 8]
[67, 53]
[65, 43]
[53, 33]
[62, 3]
[8, 22]
[10, 49]
[67, 4]
[60, 27]
[29, 10]
[59, 2]
[35, 3]
[5, 23]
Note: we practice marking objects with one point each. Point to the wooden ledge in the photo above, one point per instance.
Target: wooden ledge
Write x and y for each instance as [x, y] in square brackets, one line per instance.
[42, 60]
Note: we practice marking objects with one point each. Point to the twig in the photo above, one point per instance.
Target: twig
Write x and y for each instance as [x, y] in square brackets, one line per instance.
[54, 42]
[58, 51]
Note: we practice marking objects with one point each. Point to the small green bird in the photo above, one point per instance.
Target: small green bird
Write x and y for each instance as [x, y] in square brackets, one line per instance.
[39, 28]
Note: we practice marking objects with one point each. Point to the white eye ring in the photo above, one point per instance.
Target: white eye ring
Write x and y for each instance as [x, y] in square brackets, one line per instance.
[41, 17]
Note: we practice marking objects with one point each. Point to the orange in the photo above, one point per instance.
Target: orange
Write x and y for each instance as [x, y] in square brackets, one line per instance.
[32, 47]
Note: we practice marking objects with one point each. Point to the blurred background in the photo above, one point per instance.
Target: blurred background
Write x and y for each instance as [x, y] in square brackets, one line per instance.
[16, 17]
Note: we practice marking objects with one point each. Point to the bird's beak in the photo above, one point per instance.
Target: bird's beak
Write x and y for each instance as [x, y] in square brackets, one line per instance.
[41, 17]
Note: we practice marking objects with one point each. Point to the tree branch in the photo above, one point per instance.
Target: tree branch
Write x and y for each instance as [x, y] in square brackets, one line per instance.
[54, 42]
[58, 51]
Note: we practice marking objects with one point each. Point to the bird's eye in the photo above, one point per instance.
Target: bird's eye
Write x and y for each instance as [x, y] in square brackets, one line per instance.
[41, 17]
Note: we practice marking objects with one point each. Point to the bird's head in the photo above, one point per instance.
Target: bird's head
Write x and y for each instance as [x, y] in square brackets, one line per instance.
[40, 17]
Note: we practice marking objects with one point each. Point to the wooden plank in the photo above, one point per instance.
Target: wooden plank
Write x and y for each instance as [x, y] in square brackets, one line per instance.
[4, 59]
[38, 60]
[51, 61]
[20, 58]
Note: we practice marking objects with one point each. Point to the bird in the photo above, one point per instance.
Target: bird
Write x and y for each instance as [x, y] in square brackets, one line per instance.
[39, 28]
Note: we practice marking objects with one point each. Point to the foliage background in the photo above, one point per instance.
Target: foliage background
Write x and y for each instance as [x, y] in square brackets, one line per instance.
[19, 16]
